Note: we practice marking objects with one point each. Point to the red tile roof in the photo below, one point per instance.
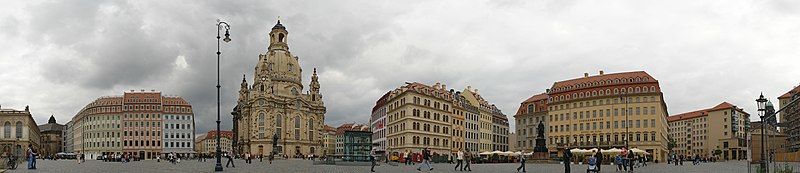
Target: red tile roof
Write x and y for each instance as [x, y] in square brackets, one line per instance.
[790, 93]
[702, 112]
[603, 77]
[523, 105]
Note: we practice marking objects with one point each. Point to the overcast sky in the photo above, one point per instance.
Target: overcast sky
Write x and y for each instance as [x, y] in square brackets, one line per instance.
[58, 56]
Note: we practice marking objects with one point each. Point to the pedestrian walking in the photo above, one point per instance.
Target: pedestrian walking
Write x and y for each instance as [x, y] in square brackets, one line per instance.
[644, 161]
[372, 159]
[696, 159]
[31, 157]
[521, 163]
[260, 157]
[567, 159]
[426, 160]
[247, 158]
[459, 160]
[230, 160]
[468, 158]
[600, 157]
[271, 156]
[406, 157]
[631, 158]
[618, 161]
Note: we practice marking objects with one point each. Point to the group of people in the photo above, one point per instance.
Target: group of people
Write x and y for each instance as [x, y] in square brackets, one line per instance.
[627, 160]
[696, 159]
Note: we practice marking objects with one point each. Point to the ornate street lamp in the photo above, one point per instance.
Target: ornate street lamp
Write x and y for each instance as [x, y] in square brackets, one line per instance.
[762, 103]
[220, 25]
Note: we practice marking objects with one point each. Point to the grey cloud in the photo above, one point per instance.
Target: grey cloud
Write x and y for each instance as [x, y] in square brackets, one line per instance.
[509, 50]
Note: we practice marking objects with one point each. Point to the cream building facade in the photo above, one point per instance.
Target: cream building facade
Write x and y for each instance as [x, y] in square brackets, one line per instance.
[702, 132]
[208, 144]
[531, 112]
[274, 104]
[591, 112]
[132, 123]
[421, 116]
[19, 130]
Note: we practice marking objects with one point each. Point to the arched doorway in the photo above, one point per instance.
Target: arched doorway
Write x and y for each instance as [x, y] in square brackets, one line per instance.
[261, 150]
[297, 151]
[312, 151]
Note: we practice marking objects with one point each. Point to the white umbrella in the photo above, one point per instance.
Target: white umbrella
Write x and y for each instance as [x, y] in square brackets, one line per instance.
[639, 151]
[612, 150]
[485, 153]
[507, 153]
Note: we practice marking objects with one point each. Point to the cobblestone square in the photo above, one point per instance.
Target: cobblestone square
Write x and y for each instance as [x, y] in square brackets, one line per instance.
[306, 166]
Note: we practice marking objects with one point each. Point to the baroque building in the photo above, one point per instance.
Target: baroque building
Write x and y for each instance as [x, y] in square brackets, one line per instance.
[420, 116]
[144, 124]
[18, 132]
[607, 111]
[274, 110]
[52, 138]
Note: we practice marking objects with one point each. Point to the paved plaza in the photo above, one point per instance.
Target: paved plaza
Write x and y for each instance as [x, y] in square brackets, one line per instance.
[305, 166]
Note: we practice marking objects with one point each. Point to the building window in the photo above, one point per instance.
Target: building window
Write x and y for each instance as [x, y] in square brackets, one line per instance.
[19, 129]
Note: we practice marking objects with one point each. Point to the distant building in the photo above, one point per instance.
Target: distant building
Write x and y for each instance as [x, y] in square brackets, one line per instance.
[776, 141]
[378, 124]
[357, 145]
[790, 116]
[513, 137]
[329, 140]
[703, 132]
[52, 138]
[18, 132]
[341, 137]
[69, 141]
[208, 145]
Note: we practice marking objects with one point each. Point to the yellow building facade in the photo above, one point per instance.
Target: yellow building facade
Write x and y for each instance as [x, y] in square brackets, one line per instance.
[721, 128]
[421, 116]
[600, 111]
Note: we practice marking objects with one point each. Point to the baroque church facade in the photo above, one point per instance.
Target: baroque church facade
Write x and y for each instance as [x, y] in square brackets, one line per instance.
[273, 113]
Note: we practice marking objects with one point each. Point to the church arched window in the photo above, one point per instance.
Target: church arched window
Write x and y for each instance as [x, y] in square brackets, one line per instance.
[278, 120]
[280, 37]
[297, 122]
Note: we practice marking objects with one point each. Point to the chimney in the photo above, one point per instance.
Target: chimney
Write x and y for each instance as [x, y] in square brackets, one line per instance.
[601, 72]
[585, 74]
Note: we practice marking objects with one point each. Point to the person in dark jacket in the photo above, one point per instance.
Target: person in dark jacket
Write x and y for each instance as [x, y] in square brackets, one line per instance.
[521, 163]
[599, 160]
[230, 161]
[567, 159]
[372, 159]
[632, 158]
[426, 159]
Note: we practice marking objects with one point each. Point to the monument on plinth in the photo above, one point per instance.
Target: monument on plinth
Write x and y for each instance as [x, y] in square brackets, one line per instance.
[540, 150]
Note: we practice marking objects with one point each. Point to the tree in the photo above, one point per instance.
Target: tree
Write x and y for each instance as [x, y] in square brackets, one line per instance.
[671, 144]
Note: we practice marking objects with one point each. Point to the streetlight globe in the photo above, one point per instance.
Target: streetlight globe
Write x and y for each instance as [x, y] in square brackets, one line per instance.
[227, 37]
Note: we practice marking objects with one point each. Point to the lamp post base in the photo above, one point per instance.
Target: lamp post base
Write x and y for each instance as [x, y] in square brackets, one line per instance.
[218, 168]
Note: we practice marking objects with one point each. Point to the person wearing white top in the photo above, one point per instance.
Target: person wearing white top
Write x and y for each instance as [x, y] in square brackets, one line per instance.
[459, 160]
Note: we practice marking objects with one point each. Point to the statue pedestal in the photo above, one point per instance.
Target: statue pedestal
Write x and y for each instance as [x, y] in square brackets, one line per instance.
[540, 156]
[540, 146]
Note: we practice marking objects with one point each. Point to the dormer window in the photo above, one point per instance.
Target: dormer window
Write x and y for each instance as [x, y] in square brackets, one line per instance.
[290, 67]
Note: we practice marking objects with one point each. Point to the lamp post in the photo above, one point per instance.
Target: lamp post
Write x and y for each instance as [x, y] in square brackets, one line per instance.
[762, 114]
[221, 25]
[625, 97]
